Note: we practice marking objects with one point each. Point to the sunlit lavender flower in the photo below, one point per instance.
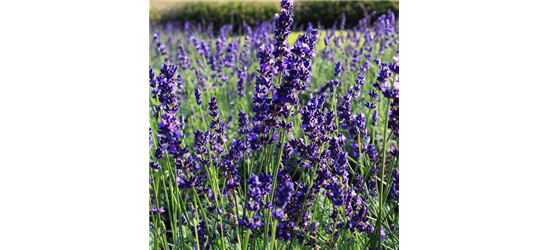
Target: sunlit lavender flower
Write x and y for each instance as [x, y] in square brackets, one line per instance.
[283, 23]
[169, 133]
[262, 82]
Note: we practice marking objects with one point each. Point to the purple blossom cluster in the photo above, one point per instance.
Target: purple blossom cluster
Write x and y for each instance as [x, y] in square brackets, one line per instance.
[288, 149]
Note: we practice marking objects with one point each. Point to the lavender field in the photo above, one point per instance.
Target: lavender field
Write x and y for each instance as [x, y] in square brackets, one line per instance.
[274, 136]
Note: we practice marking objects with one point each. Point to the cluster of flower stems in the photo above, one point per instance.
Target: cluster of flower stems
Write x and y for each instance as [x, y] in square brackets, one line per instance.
[263, 140]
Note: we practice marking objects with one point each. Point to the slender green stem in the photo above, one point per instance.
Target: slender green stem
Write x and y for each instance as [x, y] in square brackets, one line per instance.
[384, 152]
[236, 208]
[273, 235]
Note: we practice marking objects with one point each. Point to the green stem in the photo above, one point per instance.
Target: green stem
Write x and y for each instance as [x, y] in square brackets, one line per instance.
[236, 208]
[273, 236]
[384, 153]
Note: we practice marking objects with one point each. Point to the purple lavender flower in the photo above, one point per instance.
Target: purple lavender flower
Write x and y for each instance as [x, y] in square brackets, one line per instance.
[296, 77]
[393, 122]
[233, 182]
[384, 74]
[375, 117]
[198, 96]
[337, 71]
[283, 23]
[243, 122]
[212, 106]
[241, 81]
[159, 154]
[343, 19]
[152, 78]
[393, 193]
[224, 78]
[252, 206]
[383, 234]
[372, 186]
[278, 214]
[360, 79]
[184, 61]
[313, 120]
[204, 47]
[156, 209]
[359, 129]
[154, 165]
[394, 151]
[315, 160]
[372, 152]
[337, 42]
[200, 140]
[161, 47]
[283, 194]
[259, 187]
[344, 113]
[262, 85]
[364, 68]
[341, 163]
[373, 94]
[250, 223]
[169, 126]
[150, 139]
[335, 193]
[355, 60]
[377, 61]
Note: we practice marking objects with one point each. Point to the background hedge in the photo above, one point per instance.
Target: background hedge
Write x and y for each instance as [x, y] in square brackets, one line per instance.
[323, 12]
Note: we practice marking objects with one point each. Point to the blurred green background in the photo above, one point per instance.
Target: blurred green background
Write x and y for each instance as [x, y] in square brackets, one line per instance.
[325, 13]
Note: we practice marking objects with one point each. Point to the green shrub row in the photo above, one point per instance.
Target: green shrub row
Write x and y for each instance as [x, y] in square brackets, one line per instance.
[220, 13]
